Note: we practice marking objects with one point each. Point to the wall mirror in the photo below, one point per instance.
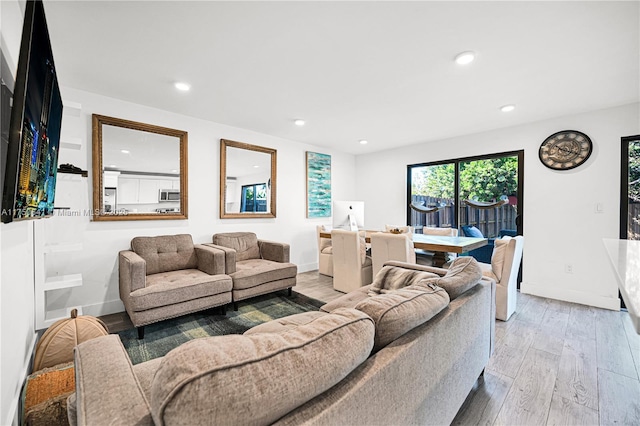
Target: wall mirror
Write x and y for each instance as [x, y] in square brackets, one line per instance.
[139, 171]
[247, 180]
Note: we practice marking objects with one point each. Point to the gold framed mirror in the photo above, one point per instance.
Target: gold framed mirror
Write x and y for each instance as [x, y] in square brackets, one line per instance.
[139, 171]
[247, 180]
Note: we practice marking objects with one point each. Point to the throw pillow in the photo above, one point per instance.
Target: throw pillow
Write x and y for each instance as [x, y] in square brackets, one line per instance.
[472, 231]
[392, 278]
[498, 255]
[463, 274]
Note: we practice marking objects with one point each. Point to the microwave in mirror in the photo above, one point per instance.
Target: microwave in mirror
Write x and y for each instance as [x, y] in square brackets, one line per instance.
[169, 195]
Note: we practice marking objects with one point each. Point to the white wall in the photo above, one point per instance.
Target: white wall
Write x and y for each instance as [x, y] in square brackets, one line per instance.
[102, 240]
[560, 223]
[17, 335]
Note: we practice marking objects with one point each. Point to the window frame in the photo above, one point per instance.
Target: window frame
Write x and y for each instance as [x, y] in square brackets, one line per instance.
[456, 162]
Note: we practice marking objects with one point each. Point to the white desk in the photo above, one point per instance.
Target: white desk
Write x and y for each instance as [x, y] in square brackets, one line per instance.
[625, 258]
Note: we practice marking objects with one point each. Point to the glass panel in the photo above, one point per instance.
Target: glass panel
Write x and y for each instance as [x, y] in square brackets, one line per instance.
[254, 198]
[432, 192]
[488, 195]
[633, 212]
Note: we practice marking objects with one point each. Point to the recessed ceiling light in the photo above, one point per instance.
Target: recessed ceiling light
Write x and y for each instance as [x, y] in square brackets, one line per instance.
[182, 86]
[507, 108]
[363, 142]
[465, 58]
[255, 166]
[124, 151]
[174, 171]
[112, 165]
[299, 122]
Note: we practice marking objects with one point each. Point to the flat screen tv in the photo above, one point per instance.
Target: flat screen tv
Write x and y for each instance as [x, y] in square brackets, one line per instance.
[34, 130]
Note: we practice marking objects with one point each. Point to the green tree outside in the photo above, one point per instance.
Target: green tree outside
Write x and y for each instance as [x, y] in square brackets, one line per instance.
[481, 180]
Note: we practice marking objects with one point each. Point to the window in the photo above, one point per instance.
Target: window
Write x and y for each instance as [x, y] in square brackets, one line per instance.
[254, 198]
[485, 192]
[630, 191]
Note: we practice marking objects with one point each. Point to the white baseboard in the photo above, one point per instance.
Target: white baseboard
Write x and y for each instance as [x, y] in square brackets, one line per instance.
[573, 296]
[307, 267]
[13, 414]
[105, 308]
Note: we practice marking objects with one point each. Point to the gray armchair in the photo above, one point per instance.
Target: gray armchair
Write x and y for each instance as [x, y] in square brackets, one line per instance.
[256, 266]
[168, 276]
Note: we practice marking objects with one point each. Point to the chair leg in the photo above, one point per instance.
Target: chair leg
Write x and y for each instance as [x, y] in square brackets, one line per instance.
[235, 306]
[141, 332]
[223, 308]
[289, 292]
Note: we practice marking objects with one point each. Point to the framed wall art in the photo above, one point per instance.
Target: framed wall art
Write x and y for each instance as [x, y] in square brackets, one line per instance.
[318, 185]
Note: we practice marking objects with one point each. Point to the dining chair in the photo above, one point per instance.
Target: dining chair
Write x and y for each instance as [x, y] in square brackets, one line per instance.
[386, 246]
[325, 251]
[505, 262]
[352, 268]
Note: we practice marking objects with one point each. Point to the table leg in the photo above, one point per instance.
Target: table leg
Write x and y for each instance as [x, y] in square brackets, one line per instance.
[439, 259]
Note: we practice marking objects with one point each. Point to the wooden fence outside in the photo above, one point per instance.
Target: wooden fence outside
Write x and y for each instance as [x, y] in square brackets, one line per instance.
[488, 221]
[633, 221]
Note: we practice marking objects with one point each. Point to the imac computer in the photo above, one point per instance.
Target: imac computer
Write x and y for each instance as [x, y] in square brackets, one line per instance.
[348, 215]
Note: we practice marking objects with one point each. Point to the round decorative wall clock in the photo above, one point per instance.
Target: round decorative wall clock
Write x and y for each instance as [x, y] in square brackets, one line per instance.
[565, 150]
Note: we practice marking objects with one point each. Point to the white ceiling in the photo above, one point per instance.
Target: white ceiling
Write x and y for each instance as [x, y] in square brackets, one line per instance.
[381, 71]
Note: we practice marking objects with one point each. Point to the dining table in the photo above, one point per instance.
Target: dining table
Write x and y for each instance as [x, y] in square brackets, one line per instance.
[440, 245]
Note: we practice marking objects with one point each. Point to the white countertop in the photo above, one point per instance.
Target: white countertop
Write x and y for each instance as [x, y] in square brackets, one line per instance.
[625, 258]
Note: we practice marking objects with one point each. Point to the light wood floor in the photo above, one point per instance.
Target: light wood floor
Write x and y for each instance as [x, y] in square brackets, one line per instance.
[555, 363]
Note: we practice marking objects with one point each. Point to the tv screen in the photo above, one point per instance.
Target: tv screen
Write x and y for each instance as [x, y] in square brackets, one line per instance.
[34, 131]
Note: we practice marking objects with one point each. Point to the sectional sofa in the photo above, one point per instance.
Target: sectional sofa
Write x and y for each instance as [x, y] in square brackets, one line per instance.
[361, 360]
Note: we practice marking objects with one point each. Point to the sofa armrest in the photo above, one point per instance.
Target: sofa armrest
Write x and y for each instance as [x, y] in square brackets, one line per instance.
[438, 271]
[210, 259]
[107, 390]
[133, 272]
[274, 251]
[229, 257]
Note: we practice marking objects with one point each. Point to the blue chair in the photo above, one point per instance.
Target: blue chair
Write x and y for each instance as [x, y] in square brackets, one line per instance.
[483, 254]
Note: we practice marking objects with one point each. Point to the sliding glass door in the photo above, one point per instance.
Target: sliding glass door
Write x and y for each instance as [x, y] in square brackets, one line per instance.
[630, 190]
[484, 192]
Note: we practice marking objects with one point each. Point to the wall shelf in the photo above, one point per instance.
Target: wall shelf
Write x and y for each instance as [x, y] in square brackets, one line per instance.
[58, 282]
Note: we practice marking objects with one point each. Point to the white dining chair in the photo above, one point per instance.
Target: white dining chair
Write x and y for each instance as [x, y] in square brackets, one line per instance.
[386, 246]
[352, 268]
[505, 262]
[325, 251]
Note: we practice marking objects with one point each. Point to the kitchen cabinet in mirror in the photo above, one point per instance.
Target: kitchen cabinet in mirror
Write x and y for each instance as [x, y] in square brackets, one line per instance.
[139, 171]
[247, 180]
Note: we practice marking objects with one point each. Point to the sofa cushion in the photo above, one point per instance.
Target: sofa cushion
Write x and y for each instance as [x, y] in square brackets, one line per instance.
[166, 252]
[254, 272]
[169, 288]
[349, 300]
[464, 273]
[244, 243]
[258, 378]
[290, 322]
[402, 310]
[472, 231]
[328, 249]
[391, 278]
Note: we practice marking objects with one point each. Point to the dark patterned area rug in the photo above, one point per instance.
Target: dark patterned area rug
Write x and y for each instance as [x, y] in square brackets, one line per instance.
[161, 337]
